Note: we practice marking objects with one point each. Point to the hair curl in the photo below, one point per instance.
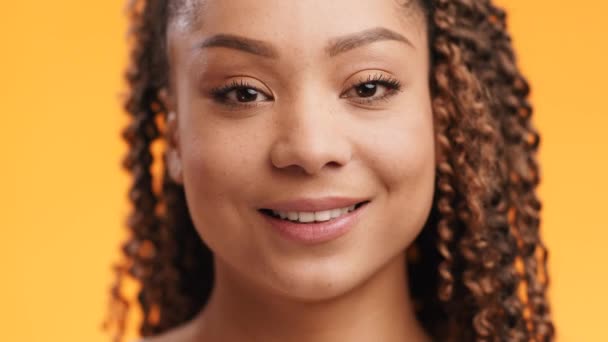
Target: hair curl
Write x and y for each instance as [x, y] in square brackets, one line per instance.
[478, 268]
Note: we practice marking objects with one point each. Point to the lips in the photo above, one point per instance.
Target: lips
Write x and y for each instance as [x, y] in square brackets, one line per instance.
[307, 229]
[313, 204]
[312, 216]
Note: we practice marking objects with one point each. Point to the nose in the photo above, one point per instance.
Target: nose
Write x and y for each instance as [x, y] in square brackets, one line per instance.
[310, 137]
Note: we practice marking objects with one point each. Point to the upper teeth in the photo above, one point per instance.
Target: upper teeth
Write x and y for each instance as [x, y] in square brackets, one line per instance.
[311, 216]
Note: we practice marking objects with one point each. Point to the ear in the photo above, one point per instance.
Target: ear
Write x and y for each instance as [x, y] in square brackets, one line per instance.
[174, 160]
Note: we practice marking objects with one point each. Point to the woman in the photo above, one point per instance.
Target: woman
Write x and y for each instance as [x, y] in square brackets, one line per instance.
[333, 171]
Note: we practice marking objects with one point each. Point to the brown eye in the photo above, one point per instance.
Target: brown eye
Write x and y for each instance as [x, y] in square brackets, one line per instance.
[239, 93]
[374, 88]
[367, 89]
[246, 94]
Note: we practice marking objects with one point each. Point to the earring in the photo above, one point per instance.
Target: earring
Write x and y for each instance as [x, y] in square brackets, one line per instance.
[174, 163]
[174, 166]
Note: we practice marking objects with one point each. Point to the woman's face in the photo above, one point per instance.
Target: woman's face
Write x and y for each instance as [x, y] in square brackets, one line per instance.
[331, 101]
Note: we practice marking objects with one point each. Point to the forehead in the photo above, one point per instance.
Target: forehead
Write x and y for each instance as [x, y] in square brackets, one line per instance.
[184, 13]
[300, 32]
[257, 16]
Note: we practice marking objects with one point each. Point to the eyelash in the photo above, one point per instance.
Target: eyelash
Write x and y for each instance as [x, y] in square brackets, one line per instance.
[393, 86]
[219, 94]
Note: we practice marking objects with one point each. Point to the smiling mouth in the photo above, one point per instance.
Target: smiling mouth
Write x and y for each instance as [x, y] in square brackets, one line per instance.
[312, 216]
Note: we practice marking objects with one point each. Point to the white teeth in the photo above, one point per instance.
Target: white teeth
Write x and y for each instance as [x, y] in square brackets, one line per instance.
[306, 217]
[335, 213]
[321, 216]
[318, 216]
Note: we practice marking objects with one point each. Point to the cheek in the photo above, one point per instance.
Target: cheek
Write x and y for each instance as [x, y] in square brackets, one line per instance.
[401, 151]
[220, 160]
[401, 155]
[221, 165]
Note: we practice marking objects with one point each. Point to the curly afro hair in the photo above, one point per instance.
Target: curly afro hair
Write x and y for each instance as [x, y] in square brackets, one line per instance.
[480, 265]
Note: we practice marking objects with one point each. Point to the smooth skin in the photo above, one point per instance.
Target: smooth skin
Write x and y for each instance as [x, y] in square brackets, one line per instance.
[304, 125]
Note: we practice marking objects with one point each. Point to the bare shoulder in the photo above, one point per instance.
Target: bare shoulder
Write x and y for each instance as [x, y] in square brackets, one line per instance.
[159, 338]
[167, 337]
[183, 333]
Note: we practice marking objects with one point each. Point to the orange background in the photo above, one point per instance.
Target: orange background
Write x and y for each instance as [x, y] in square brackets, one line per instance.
[63, 193]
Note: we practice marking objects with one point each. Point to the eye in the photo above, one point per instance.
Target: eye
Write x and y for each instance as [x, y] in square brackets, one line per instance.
[376, 87]
[239, 93]
[366, 91]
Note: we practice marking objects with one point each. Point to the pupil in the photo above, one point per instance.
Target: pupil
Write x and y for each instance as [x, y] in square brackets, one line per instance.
[246, 95]
[367, 90]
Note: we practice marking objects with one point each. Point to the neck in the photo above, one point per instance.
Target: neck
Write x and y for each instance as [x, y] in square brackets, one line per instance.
[378, 310]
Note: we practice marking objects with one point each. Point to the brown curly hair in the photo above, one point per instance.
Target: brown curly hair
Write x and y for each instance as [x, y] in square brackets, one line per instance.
[480, 266]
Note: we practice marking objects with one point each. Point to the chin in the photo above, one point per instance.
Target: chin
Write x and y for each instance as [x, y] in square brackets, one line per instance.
[317, 281]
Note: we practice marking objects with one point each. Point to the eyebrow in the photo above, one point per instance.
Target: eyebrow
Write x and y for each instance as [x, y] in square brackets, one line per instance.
[334, 47]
